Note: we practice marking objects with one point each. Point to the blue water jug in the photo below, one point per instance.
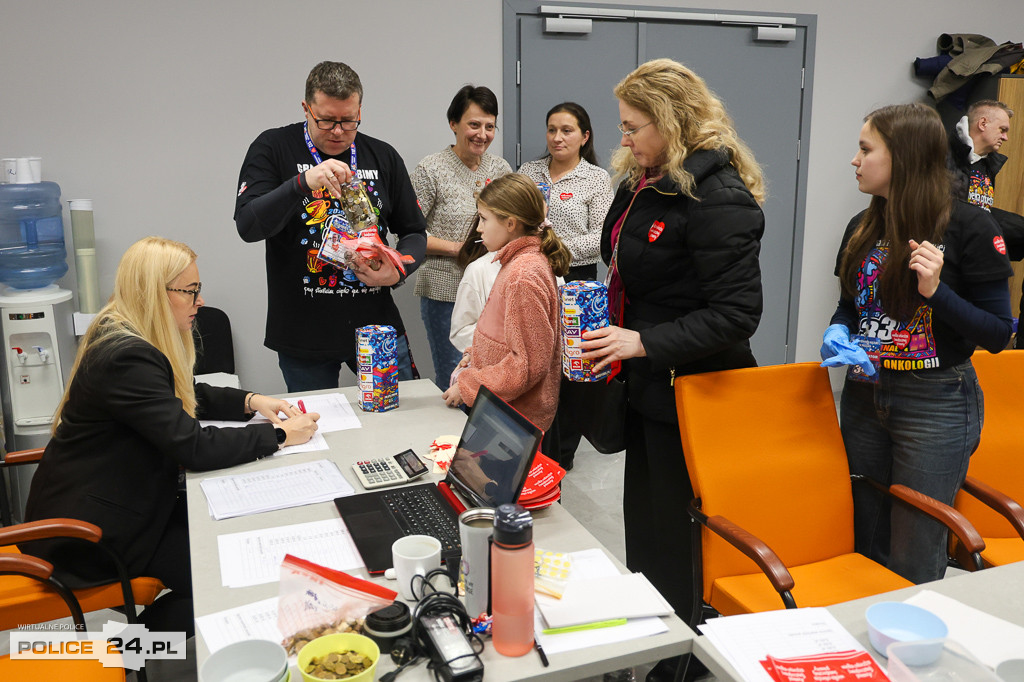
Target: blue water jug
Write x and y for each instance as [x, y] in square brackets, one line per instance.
[32, 253]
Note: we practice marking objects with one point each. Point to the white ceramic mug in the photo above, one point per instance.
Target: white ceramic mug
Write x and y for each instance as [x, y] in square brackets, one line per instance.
[414, 555]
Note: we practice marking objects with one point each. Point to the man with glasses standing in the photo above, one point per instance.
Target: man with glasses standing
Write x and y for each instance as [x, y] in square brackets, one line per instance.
[288, 195]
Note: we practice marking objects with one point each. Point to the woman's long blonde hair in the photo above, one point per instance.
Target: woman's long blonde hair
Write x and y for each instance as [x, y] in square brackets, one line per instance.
[690, 117]
[139, 308]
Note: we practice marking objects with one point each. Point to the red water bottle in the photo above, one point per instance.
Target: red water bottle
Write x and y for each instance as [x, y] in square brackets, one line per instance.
[512, 574]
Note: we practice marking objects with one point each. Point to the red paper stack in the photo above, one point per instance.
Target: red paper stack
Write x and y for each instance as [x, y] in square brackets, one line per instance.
[542, 488]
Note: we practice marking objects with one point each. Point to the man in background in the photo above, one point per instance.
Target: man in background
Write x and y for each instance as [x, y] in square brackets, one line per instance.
[974, 147]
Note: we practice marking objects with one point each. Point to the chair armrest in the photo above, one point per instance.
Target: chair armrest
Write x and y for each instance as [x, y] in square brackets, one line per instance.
[1002, 503]
[25, 564]
[22, 457]
[50, 528]
[42, 571]
[754, 548]
[944, 514]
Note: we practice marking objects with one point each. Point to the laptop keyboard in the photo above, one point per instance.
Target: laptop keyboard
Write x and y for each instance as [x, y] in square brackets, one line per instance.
[420, 513]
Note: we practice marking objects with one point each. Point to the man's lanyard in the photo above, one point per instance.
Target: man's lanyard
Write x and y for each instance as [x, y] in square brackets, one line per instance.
[316, 154]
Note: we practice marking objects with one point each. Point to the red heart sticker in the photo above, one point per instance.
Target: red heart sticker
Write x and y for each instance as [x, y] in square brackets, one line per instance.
[1000, 245]
[656, 229]
[901, 338]
[565, 196]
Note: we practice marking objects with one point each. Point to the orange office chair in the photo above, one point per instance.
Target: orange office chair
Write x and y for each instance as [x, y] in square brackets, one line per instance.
[773, 493]
[995, 478]
[22, 567]
[25, 599]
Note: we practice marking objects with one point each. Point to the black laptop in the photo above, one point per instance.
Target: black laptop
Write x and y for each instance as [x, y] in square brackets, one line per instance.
[489, 468]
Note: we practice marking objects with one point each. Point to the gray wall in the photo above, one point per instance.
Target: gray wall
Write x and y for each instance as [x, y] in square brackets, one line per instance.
[148, 108]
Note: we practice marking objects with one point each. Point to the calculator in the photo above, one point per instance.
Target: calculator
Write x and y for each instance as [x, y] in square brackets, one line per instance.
[383, 472]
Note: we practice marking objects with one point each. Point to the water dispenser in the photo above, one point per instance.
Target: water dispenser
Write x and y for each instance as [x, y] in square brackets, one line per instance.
[39, 349]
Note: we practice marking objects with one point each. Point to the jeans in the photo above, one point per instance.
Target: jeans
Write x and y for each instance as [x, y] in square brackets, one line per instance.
[437, 318]
[917, 428]
[302, 374]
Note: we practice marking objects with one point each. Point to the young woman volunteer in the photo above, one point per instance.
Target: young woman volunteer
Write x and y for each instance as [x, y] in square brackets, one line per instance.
[923, 282]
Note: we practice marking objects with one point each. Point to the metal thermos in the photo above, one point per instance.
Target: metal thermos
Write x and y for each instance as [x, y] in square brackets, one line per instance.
[475, 529]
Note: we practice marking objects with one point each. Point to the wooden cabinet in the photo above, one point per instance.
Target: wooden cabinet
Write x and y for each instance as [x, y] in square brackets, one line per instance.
[1010, 181]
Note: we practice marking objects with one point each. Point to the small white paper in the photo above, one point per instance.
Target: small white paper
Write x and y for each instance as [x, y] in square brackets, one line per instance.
[336, 414]
[254, 557]
[990, 639]
[252, 621]
[222, 379]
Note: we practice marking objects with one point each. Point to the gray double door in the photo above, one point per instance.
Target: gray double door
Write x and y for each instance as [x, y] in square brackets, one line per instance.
[764, 84]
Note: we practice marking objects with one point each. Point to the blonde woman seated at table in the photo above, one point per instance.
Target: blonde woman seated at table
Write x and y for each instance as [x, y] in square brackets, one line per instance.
[128, 425]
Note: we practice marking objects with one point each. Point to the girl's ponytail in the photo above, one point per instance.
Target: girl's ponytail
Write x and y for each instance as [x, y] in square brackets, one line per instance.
[557, 253]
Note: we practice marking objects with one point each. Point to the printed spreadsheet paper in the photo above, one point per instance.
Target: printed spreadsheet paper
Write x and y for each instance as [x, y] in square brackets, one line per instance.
[254, 557]
[288, 486]
[251, 621]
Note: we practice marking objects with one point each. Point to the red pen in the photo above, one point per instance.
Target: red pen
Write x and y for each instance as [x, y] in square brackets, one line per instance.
[302, 408]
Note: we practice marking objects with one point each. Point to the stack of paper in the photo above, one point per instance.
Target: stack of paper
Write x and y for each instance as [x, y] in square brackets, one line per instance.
[280, 488]
[591, 564]
[601, 599]
[748, 639]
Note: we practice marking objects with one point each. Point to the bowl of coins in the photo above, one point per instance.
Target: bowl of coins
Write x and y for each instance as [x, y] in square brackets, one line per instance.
[341, 656]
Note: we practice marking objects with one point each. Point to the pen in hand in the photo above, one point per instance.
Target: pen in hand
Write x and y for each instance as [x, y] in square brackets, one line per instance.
[302, 408]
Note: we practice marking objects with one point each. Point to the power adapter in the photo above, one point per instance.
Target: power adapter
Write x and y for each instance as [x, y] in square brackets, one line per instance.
[453, 656]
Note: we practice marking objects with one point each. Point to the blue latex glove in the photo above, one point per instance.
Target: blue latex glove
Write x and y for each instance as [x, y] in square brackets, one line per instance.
[837, 350]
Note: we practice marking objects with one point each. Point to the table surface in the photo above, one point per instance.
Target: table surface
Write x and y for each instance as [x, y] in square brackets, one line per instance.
[997, 591]
[420, 417]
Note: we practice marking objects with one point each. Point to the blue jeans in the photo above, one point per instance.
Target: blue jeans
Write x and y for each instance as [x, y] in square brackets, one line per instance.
[918, 428]
[437, 318]
[301, 374]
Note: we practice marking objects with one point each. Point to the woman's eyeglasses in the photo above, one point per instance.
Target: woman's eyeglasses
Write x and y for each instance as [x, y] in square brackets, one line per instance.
[629, 131]
[194, 292]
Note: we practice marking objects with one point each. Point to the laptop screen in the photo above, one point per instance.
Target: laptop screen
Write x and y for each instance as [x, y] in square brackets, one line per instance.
[495, 452]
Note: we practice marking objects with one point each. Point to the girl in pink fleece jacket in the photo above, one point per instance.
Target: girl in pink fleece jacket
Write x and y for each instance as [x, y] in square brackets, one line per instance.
[516, 349]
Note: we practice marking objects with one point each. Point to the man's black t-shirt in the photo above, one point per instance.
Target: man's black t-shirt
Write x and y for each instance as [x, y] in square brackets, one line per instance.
[314, 308]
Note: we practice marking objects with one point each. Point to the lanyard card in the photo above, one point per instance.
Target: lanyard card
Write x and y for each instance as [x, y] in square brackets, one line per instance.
[871, 346]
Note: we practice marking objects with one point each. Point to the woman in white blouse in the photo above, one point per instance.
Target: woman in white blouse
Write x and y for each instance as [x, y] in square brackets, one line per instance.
[446, 184]
[580, 190]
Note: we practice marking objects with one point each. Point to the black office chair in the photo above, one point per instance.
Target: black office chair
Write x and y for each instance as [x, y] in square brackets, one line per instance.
[215, 351]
